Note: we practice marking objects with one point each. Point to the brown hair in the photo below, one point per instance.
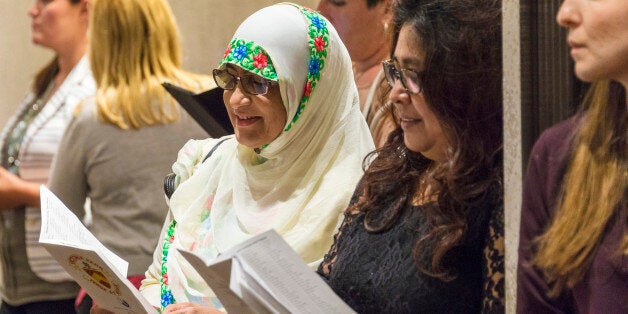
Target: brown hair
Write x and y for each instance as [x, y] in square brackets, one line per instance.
[594, 187]
[45, 76]
[462, 86]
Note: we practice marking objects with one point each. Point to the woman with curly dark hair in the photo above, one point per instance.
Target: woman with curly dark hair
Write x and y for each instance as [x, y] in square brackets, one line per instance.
[424, 230]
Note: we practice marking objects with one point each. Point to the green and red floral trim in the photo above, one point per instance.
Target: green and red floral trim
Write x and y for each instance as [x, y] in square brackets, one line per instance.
[166, 295]
[318, 43]
[251, 57]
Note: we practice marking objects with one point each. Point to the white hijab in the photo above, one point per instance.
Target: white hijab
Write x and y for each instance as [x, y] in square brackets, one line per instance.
[299, 184]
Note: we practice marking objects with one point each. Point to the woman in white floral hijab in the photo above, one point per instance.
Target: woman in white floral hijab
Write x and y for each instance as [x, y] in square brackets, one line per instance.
[292, 165]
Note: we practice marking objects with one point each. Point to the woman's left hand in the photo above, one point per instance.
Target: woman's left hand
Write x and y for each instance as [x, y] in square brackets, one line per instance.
[190, 308]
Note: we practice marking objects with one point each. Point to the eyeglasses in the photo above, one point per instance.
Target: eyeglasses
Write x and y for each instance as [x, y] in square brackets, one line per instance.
[252, 84]
[410, 79]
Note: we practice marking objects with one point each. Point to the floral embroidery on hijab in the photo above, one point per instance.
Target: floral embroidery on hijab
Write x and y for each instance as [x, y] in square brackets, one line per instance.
[318, 42]
[253, 58]
[166, 294]
[250, 57]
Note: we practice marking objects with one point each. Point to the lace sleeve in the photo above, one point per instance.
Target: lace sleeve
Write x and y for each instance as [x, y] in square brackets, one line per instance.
[330, 258]
[493, 264]
[324, 269]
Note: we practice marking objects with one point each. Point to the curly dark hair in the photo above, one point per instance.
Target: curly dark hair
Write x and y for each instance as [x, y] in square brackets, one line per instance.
[463, 87]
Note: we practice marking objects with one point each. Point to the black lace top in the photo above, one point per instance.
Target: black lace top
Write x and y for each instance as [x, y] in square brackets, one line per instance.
[376, 273]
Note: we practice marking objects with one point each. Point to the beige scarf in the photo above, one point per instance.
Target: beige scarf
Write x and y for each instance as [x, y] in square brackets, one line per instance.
[299, 184]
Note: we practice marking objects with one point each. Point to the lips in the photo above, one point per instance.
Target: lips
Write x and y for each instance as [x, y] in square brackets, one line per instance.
[409, 121]
[575, 46]
[242, 120]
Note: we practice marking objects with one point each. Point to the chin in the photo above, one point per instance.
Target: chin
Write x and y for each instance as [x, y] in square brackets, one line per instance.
[247, 142]
[243, 141]
[583, 76]
[589, 74]
[414, 147]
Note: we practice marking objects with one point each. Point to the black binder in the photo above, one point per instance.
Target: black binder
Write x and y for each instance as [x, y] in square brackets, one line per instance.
[207, 109]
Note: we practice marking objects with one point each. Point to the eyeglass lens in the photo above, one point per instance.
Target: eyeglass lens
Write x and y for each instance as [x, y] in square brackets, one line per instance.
[409, 78]
[252, 84]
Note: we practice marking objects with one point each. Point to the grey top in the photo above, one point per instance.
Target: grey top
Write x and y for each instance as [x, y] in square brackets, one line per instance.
[122, 172]
[19, 284]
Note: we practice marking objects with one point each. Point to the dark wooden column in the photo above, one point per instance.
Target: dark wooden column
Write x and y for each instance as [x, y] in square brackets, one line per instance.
[550, 92]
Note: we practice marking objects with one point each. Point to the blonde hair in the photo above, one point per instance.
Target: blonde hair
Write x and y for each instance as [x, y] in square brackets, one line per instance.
[593, 190]
[134, 47]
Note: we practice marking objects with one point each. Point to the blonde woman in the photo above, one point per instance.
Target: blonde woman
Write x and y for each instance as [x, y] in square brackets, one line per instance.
[121, 143]
[573, 254]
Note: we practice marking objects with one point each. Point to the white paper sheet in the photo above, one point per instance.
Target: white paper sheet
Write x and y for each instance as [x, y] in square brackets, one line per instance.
[60, 226]
[265, 270]
[95, 268]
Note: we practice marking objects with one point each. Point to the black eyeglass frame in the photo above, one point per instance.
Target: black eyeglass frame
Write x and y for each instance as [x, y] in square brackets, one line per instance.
[393, 74]
[246, 82]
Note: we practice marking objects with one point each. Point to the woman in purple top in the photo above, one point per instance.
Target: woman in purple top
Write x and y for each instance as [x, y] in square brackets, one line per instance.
[573, 251]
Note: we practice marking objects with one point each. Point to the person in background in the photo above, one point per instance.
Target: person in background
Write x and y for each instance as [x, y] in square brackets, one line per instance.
[424, 230]
[363, 26]
[31, 280]
[573, 249]
[299, 142]
[122, 142]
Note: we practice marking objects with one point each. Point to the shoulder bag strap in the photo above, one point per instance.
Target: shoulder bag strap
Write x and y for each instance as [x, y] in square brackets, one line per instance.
[169, 180]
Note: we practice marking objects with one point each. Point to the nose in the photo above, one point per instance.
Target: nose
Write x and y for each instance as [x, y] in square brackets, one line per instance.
[568, 15]
[238, 97]
[33, 10]
[398, 94]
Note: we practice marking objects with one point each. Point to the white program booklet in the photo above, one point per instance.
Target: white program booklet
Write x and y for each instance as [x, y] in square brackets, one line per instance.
[265, 275]
[95, 268]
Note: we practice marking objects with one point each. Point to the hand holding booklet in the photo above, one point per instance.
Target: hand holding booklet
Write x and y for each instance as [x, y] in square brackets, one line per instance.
[261, 275]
